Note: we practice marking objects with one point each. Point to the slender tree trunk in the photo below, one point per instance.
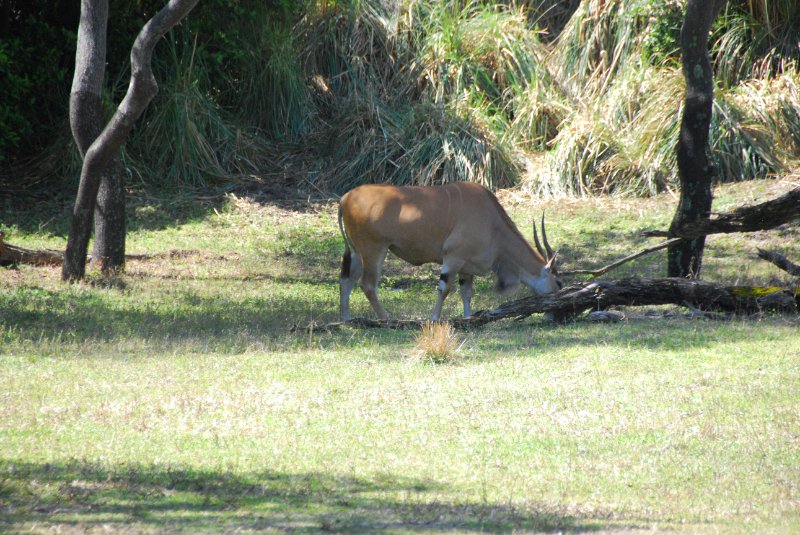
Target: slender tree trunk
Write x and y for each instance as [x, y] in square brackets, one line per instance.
[694, 169]
[108, 252]
[86, 119]
[90, 58]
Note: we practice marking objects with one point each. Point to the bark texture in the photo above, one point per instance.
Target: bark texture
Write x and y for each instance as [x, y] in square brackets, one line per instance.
[694, 169]
[108, 251]
[141, 90]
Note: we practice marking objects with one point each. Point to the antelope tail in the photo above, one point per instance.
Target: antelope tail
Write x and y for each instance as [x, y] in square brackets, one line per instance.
[347, 256]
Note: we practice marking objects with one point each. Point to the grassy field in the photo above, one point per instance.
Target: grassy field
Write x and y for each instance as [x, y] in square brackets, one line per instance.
[176, 398]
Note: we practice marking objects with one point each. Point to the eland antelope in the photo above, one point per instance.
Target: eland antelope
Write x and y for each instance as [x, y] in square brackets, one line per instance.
[459, 225]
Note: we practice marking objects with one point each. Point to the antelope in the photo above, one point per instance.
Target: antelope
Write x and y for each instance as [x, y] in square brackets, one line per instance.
[460, 225]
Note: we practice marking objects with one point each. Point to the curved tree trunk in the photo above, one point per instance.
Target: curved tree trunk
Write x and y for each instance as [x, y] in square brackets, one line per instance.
[85, 95]
[694, 169]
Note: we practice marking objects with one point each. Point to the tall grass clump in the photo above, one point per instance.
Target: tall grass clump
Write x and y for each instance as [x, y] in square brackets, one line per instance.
[742, 146]
[618, 64]
[432, 92]
[756, 39]
[337, 94]
[187, 138]
[275, 94]
[600, 41]
[417, 93]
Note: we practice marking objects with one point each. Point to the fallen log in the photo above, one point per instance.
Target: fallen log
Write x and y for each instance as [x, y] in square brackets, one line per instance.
[600, 295]
[11, 255]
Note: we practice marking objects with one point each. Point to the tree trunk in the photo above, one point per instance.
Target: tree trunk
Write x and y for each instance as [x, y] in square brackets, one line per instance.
[86, 120]
[108, 253]
[86, 88]
[694, 168]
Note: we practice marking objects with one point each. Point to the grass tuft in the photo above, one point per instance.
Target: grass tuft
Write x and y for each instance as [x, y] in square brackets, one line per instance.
[438, 343]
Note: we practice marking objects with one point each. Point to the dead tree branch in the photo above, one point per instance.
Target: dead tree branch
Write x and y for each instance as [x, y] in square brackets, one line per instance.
[780, 261]
[11, 255]
[763, 216]
[598, 295]
[603, 270]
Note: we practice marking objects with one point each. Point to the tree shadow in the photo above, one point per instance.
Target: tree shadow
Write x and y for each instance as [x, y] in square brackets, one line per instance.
[666, 334]
[85, 495]
[261, 309]
[224, 320]
[146, 210]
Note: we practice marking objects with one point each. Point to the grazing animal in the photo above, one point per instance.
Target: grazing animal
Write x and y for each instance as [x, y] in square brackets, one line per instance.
[459, 225]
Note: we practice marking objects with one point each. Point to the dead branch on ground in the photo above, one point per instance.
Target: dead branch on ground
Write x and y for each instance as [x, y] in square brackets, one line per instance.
[12, 255]
[600, 295]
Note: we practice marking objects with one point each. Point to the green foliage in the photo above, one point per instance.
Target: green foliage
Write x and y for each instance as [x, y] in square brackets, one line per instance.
[756, 40]
[661, 40]
[35, 69]
[14, 126]
[336, 94]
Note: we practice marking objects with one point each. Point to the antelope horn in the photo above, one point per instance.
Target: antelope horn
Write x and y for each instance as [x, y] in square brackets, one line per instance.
[550, 254]
[536, 241]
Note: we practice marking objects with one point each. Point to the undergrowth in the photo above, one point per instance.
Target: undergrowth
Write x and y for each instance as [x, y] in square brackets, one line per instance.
[335, 94]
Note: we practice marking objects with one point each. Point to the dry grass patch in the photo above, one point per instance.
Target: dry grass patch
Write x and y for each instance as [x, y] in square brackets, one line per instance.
[438, 342]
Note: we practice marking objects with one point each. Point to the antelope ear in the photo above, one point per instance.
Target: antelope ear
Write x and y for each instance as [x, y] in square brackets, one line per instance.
[551, 263]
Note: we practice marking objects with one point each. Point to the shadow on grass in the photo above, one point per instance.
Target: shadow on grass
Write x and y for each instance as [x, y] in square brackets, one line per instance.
[74, 315]
[242, 316]
[81, 495]
[145, 210]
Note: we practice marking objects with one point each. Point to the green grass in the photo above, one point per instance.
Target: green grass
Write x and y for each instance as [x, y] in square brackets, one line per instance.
[176, 398]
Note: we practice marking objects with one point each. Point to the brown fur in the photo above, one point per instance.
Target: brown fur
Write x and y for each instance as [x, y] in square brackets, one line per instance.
[459, 225]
